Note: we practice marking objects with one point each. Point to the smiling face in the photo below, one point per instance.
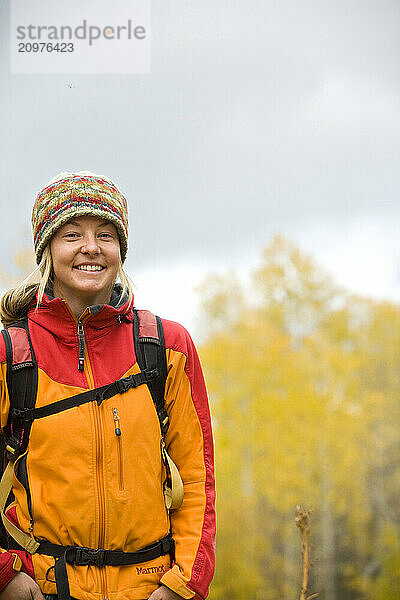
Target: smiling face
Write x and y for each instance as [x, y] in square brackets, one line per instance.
[86, 257]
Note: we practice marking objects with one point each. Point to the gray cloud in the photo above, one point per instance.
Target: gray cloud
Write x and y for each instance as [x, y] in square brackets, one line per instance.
[257, 116]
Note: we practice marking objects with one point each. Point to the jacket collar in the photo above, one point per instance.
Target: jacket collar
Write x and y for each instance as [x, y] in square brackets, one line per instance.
[55, 314]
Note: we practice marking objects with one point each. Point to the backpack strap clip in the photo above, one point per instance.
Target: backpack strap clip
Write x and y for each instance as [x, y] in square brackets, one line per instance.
[123, 385]
[168, 545]
[86, 556]
[12, 448]
[133, 381]
[26, 415]
[164, 420]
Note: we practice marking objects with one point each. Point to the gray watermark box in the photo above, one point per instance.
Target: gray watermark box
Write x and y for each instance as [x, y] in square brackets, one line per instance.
[52, 36]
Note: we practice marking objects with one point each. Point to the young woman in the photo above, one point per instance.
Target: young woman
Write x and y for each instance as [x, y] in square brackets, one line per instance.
[90, 486]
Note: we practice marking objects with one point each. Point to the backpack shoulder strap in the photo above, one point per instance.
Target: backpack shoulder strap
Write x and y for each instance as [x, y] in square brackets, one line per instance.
[21, 380]
[150, 353]
[149, 343]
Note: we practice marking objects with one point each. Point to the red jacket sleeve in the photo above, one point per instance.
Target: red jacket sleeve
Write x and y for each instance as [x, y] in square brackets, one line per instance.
[190, 444]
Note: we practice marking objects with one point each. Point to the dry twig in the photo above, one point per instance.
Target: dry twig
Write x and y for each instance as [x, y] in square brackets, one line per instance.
[302, 521]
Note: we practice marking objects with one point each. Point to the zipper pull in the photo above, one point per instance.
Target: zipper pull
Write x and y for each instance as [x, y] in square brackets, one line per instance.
[116, 422]
[81, 339]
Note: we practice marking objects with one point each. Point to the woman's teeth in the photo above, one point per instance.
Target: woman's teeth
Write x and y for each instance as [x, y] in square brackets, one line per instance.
[90, 268]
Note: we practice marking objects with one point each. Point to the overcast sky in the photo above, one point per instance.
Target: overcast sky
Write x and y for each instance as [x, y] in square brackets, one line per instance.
[257, 117]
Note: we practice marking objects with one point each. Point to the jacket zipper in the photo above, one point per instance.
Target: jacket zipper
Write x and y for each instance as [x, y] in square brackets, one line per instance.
[84, 365]
[118, 435]
[81, 340]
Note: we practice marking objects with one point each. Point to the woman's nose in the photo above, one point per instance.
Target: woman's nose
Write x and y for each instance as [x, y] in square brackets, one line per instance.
[90, 245]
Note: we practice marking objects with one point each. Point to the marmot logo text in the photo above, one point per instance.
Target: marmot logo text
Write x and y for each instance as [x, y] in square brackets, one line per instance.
[146, 570]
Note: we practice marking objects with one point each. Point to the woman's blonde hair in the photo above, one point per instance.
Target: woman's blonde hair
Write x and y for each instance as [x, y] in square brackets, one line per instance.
[15, 303]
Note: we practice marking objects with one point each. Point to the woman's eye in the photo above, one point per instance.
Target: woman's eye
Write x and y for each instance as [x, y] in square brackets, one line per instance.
[71, 235]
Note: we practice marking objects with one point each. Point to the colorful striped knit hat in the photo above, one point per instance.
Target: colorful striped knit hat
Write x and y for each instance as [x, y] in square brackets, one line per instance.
[70, 195]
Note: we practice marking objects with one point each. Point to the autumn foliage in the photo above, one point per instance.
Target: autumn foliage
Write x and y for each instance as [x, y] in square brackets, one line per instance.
[304, 382]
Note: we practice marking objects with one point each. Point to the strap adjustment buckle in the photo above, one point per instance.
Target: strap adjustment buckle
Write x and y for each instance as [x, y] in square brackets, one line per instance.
[133, 381]
[167, 545]
[123, 385]
[26, 414]
[150, 375]
[12, 448]
[164, 420]
[88, 556]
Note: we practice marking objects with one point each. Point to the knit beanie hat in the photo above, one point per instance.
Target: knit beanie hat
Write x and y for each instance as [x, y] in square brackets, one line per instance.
[70, 195]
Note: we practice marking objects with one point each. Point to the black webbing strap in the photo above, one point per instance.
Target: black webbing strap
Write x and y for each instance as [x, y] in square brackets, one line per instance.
[81, 556]
[150, 354]
[98, 394]
[157, 387]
